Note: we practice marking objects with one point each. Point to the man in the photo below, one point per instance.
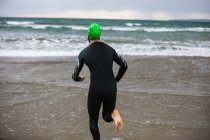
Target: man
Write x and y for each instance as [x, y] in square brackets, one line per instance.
[99, 58]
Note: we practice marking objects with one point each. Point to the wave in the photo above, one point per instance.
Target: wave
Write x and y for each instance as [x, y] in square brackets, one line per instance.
[153, 50]
[133, 24]
[161, 29]
[41, 26]
[128, 27]
[19, 23]
[126, 49]
[108, 28]
[36, 53]
[158, 29]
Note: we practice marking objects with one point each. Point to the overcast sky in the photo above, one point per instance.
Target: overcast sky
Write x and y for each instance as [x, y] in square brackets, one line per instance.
[111, 9]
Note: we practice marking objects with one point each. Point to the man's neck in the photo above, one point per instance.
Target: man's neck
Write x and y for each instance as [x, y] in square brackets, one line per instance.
[96, 40]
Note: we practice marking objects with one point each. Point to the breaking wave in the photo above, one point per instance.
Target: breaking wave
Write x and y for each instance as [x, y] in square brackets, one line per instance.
[128, 27]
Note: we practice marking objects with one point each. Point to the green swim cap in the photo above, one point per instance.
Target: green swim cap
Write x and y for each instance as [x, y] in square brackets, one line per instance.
[94, 31]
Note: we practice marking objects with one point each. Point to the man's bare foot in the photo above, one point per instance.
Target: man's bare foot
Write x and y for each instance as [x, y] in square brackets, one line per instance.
[117, 119]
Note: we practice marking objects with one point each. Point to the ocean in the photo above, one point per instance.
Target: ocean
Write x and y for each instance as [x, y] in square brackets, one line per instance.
[164, 94]
[41, 37]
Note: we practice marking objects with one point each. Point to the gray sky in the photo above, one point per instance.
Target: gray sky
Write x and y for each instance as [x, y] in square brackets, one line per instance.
[118, 9]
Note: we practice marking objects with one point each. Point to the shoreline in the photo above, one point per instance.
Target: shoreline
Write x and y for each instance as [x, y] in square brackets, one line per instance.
[159, 98]
[124, 55]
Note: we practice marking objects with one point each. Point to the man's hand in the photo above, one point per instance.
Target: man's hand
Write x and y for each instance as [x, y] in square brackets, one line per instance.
[82, 77]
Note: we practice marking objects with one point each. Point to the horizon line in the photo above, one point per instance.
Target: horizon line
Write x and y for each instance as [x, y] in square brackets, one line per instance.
[178, 19]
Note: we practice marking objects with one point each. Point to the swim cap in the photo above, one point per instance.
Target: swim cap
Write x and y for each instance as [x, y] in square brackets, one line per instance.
[94, 31]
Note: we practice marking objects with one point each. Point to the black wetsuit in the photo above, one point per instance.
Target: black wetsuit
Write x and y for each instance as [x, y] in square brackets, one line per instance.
[99, 57]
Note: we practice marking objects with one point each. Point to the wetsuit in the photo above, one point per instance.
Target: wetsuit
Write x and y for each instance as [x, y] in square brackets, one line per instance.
[99, 57]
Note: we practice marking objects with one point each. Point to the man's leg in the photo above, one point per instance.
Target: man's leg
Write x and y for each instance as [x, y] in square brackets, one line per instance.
[93, 124]
[109, 112]
[109, 101]
[94, 105]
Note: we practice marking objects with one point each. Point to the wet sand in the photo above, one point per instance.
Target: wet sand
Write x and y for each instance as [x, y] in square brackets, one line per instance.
[160, 98]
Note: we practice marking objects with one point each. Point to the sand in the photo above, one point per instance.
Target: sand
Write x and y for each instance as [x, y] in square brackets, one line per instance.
[160, 98]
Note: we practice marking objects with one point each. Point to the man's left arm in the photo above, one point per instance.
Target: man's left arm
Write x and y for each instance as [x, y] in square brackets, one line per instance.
[123, 66]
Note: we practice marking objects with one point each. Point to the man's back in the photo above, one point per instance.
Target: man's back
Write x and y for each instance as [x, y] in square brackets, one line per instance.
[99, 58]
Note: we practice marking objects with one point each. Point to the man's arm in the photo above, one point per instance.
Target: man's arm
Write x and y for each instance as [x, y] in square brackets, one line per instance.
[123, 66]
[77, 69]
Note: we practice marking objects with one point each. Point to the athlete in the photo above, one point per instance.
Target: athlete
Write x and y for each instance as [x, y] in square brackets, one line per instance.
[99, 58]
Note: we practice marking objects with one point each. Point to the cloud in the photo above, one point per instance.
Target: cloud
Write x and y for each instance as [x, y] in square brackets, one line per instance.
[115, 9]
[119, 14]
[166, 16]
[122, 14]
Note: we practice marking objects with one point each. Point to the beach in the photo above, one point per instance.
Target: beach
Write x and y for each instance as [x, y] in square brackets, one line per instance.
[160, 98]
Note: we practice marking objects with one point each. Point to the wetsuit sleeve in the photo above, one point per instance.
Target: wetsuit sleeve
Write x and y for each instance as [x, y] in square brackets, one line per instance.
[123, 66]
[77, 69]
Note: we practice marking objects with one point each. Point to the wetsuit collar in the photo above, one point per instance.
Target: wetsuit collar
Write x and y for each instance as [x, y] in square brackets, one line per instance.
[93, 41]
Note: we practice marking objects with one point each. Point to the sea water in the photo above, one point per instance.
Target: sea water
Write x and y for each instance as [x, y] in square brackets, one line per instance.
[159, 97]
[38, 37]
